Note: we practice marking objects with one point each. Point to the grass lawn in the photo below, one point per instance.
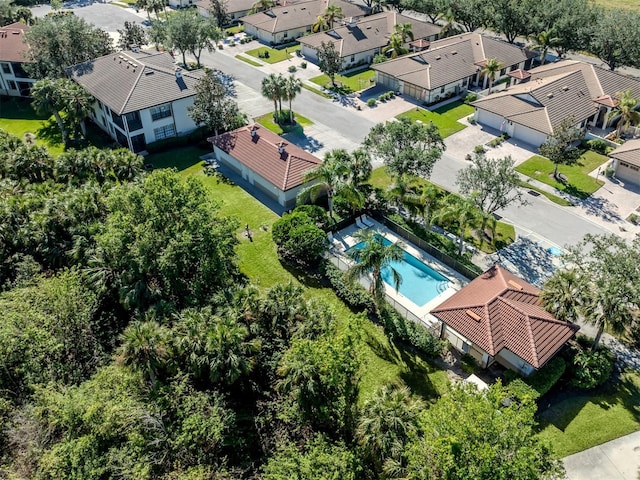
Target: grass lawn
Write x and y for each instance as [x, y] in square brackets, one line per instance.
[351, 82]
[580, 420]
[455, 110]
[505, 232]
[275, 55]
[315, 90]
[554, 198]
[620, 4]
[580, 184]
[248, 60]
[179, 158]
[266, 121]
[447, 124]
[233, 30]
[382, 361]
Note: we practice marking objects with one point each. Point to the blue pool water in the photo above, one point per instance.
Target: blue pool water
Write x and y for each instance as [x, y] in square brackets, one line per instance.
[420, 283]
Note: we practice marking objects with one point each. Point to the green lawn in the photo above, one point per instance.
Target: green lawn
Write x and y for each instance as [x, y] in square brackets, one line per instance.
[315, 90]
[178, 158]
[620, 4]
[582, 420]
[455, 110]
[275, 55]
[446, 123]
[351, 82]
[234, 30]
[580, 184]
[382, 361]
[266, 121]
[248, 60]
[554, 198]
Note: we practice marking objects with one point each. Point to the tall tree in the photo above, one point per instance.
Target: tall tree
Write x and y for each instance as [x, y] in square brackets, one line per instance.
[371, 259]
[405, 147]
[146, 348]
[449, 27]
[490, 183]
[424, 202]
[615, 38]
[47, 98]
[262, 5]
[626, 109]
[158, 33]
[333, 13]
[512, 18]
[330, 177]
[471, 14]
[207, 37]
[78, 104]
[291, 88]
[430, 8]
[562, 295]
[131, 34]
[58, 42]
[273, 89]
[458, 212]
[397, 41]
[213, 106]
[329, 60]
[491, 70]
[218, 9]
[189, 32]
[560, 146]
[543, 41]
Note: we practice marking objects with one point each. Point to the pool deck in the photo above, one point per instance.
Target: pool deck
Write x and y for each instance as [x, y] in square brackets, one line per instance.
[344, 239]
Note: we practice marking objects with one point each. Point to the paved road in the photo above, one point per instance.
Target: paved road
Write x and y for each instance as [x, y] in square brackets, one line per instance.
[618, 459]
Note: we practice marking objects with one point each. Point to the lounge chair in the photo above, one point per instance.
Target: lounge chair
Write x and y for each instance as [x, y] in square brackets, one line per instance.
[367, 221]
[361, 225]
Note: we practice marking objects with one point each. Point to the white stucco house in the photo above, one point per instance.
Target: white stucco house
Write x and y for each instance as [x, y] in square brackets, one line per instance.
[498, 317]
[449, 67]
[14, 81]
[626, 161]
[266, 161]
[358, 40]
[141, 97]
[529, 110]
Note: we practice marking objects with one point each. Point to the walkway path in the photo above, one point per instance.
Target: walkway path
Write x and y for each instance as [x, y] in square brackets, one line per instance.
[618, 459]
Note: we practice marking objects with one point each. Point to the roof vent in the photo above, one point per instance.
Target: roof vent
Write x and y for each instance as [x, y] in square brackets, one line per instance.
[178, 72]
[515, 285]
[438, 57]
[549, 95]
[253, 129]
[303, 8]
[281, 146]
[134, 48]
[150, 72]
[454, 52]
[473, 315]
[286, 11]
[565, 88]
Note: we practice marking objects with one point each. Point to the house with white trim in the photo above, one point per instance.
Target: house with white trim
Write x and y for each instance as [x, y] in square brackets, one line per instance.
[141, 97]
[14, 81]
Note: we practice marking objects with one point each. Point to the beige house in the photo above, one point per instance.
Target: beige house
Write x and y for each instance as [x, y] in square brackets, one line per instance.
[546, 95]
[359, 40]
[266, 161]
[236, 9]
[498, 317]
[284, 24]
[14, 81]
[449, 67]
[626, 161]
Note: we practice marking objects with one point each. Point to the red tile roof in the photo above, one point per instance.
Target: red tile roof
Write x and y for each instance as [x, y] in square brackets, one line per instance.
[12, 46]
[519, 73]
[261, 153]
[500, 310]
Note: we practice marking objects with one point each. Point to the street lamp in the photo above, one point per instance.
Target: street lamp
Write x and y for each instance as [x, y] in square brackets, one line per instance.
[598, 174]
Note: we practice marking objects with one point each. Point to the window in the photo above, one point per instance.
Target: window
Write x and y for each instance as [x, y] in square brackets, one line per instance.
[442, 90]
[165, 132]
[6, 68]
[161, 111]
[133, 121]
[353, 58]
[286, 34]
[18, 71]
[117, 119]
[12, 85]
[122, 140]
[503, 71]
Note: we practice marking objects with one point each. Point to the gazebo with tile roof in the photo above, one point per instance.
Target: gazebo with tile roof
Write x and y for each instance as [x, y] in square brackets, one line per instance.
[498, 317]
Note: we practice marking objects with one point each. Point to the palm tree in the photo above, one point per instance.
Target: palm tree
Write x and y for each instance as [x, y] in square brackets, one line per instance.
[78, 104]
[320, 24]
[332, 13]
[330, 176]
[491, 69]
[388, 418]
[462, 213]
[291, 88]
[371, 259]
[262, 5]
[562, 295]
[395, 46]
[424, 203]
[404, 31]
[272, 89]
[450, 28]
[47, 98]
[145, 347]
[626, 109]
[543, 41]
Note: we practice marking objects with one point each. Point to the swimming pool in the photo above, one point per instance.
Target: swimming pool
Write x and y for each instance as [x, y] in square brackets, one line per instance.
[420, 283]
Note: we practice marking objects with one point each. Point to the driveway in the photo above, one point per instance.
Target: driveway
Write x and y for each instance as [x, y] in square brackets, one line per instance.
[618, 459]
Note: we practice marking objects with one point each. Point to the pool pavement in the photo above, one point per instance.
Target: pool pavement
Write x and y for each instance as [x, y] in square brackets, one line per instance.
[345, 239]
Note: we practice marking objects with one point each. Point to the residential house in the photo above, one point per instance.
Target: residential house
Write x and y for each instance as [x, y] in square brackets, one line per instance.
[626, 161]
[285, 23]
[235, 9]
[266, 161]
[449, 67]
[546, 95]
[141, 97]
[14, 81]
[498, 317]
[359, 40]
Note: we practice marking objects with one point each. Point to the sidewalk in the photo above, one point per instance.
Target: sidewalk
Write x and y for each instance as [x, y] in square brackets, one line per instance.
[618, 459]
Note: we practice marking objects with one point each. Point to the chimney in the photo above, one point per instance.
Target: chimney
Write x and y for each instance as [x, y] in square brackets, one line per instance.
[134, 48]
[281, 146]
[253, 129]
[178, 72]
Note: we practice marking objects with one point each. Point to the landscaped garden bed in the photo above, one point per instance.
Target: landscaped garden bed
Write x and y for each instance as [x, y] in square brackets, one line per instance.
[349, 82]
[273, 55]
[300, 122]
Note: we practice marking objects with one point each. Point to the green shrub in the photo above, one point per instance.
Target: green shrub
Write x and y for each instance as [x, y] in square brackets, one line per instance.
[371, 102]
[520, 391]
[544, 379]
[399, 328]
[303, 65]
[468, 363]
[317, 214]
[379, 58]
[292, 68]
[597, 145]
[382, 98]
[470, 97]
[352, 293]
[633, 218]
[471, 120]
[299, 240]
[479, 149]
[609, 171]
[589, 369]
[391, 94]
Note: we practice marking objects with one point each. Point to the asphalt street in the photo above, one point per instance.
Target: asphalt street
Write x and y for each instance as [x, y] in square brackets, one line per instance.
[339, 125]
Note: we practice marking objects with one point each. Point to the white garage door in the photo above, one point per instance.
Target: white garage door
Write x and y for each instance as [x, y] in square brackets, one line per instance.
[489, 119]
[528, 135]
[628, 173]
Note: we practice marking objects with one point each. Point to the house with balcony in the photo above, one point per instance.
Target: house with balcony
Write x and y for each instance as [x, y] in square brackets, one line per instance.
[544, 96]
[141, 97]
[359, 40]
[14, 81]
[450, 67]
